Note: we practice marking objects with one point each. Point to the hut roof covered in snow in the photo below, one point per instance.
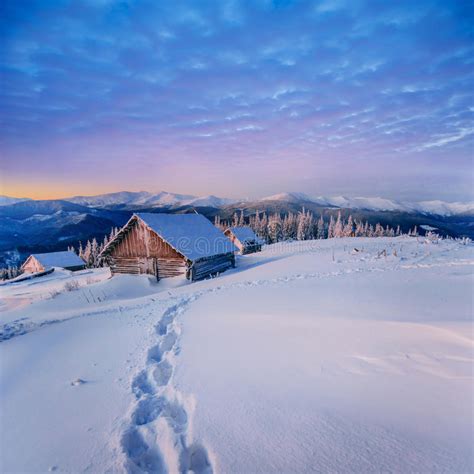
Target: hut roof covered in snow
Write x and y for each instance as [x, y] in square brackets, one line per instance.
[192, 235]
[245, 234]
[59, 259]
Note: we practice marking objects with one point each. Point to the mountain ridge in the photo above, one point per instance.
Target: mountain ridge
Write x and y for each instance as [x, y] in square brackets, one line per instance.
[135, 200]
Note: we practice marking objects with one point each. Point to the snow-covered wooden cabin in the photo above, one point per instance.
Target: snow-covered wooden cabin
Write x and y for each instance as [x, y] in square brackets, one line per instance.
[245, 239]
[39, 262]
[168, 245]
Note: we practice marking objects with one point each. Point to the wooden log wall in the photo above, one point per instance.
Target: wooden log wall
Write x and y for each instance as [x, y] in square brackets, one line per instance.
[160, 267]
[32, 265]
[170, 267]
[251, 248]
[140, 241]
[142, 251]
[125, 265]
[219, 263]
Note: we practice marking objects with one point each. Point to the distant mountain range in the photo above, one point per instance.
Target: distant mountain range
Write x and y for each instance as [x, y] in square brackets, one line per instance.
[440, 208]
[44, 225]
[144, 199]
[128, 200]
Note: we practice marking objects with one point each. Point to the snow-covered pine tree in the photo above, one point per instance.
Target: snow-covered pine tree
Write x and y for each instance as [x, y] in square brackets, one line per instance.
[235, 220]
[379, 232]
[289, 227]
[320, 234]
[256, 223]
[338, 226]
[359, 229]
[80, 251]
[301, 230]
[87, 254]
[242, 219]
[94, 253]
[264, 227]
[331, 227]
[389, 232]
[274, 228]
[366, 229]
[348, 230]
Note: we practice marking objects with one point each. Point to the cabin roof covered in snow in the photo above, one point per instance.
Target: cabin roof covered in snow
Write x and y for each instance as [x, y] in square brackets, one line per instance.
[59, 259]
[192, 235]
[245, 234]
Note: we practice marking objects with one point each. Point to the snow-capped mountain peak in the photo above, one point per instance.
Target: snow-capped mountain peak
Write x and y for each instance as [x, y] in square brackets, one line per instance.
[438, 207]
[288, 197]
[7, 200]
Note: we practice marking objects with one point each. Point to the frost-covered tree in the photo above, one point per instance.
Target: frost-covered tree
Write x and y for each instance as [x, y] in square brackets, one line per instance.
[331, 227]
[338, 226]
[389, 232]
[94, 253]
[379, 232]
[264, 227]
[320, 233]
[80, 251]
[348, 227]
[304, 225]
[235, 220]
[242, 219]
[359, 229]
[274, 228]
[11, 271]
[290, 227]
[87, 254]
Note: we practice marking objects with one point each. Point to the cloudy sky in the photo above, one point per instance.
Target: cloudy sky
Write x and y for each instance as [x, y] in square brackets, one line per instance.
[237, 98]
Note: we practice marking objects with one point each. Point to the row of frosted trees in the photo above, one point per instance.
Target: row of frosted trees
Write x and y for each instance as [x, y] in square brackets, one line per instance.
[12, 271]
[91, 250]
[304, 226]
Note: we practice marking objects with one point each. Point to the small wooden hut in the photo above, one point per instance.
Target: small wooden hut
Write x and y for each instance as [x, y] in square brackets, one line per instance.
[245, 239]
[168, 245]
[40, 262]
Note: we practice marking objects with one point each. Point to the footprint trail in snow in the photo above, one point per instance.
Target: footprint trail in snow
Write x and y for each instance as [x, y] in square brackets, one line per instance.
[158, 436]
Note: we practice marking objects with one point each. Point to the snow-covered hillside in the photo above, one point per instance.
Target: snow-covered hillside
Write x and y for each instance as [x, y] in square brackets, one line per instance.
[340, 355]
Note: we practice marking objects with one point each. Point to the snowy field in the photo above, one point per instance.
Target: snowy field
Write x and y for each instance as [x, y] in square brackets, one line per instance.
[308, 357]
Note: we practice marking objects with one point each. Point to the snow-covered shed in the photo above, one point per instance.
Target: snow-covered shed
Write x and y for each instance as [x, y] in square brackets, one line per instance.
[39, 262]
[167, 245]
[245, 239]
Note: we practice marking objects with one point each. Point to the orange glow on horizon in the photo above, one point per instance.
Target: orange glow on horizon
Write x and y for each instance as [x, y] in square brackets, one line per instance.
[52, 191]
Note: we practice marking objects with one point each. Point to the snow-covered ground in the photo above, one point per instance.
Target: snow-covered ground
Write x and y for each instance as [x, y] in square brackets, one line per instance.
[310, 356]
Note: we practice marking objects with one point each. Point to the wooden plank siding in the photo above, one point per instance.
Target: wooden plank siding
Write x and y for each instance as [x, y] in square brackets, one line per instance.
[141, 251]
[211, 265]
[251, 248]
[32, 265]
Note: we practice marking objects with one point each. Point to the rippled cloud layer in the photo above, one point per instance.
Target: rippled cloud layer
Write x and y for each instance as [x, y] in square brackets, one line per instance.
[238, 97]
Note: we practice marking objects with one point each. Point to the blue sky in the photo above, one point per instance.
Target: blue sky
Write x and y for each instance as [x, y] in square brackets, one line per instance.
[238, 98]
